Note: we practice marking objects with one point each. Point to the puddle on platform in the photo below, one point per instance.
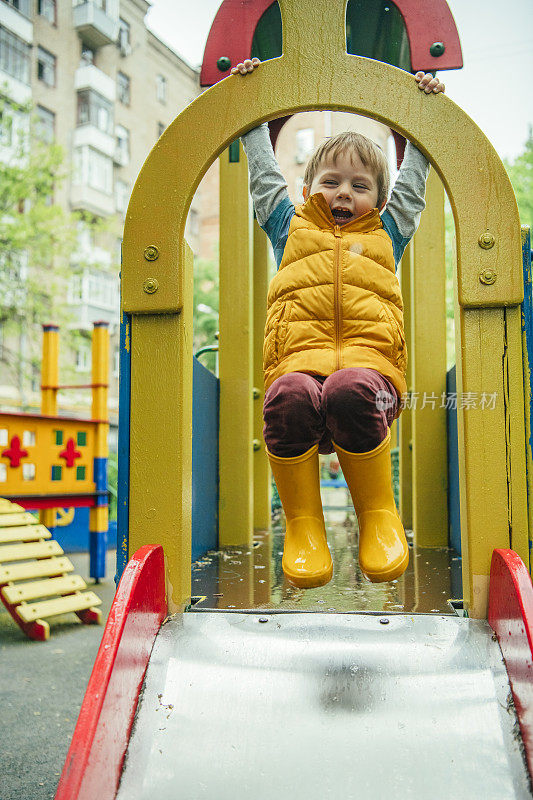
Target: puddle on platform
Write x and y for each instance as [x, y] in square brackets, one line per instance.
[240, 578]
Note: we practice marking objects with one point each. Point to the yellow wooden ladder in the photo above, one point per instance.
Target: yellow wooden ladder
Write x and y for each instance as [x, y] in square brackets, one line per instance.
[33, 567]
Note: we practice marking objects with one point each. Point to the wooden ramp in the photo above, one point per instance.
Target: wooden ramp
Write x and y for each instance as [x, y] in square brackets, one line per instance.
[35, 575]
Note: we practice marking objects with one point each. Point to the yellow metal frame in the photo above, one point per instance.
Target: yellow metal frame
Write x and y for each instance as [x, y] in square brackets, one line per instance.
[156, 274]
[236, 355]
[427, 354]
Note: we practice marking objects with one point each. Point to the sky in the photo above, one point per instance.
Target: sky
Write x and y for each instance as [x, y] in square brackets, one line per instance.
[493, 87]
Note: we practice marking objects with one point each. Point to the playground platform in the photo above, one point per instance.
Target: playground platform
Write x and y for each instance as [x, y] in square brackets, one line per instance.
[247, 578]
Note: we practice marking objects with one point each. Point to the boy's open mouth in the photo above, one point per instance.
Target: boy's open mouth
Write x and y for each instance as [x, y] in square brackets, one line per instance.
[341, 213]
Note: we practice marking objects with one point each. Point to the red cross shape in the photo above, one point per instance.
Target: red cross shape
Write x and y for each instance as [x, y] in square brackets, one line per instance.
[15, 453]
[70, 454]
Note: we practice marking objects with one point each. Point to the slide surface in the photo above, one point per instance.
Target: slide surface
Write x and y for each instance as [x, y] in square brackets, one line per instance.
[315, 705]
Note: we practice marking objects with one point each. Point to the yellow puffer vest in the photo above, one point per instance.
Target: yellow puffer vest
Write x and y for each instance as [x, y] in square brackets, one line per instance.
[335, 301]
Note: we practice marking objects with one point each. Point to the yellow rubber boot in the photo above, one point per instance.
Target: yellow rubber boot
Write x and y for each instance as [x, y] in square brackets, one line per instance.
[383, 551]
[306, 558]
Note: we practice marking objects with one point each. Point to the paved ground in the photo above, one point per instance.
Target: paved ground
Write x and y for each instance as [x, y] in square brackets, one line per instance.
[41, 690]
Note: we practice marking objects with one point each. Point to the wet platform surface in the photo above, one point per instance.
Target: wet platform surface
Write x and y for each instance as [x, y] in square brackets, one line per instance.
[242, 578]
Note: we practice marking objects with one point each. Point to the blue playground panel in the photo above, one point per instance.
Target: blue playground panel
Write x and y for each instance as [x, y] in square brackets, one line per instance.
[454, 512]
[205, 415]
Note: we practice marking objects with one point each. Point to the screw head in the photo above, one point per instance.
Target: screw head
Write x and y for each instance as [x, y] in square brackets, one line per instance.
[263, 619]
[223, 63]
[486, 240]
[256, 393]
[384, 621]
[151, 253]
[150, 285]
[256, 445]
[437, 49]
[488, 276]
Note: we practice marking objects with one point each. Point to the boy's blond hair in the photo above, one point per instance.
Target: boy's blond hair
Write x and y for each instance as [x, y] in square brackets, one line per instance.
[371, 155]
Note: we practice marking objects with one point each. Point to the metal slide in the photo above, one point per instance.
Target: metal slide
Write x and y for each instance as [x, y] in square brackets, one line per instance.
[313, 705]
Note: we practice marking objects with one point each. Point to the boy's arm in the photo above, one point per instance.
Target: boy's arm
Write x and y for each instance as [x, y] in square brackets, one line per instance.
[273, 207]
[407, 202]
[267, 185]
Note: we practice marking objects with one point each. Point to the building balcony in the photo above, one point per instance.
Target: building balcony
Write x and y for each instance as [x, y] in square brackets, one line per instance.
[18, 21]
[121, 157]
[96, 295]
[90, 77]
[86, 198]
[96, 27]
[91, 136]
[15, 90]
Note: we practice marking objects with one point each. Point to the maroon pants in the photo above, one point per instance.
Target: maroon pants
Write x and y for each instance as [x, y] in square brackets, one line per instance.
[353, 407]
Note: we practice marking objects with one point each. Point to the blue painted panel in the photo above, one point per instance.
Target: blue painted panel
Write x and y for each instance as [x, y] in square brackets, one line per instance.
[100, 474]
[454, 512]
[74, 538]
[527, 329]
[205, 419]
[97, 554]
[123, 481]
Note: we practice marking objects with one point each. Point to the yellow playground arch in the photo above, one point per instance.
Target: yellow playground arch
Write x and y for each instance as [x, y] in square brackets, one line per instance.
[315, 72]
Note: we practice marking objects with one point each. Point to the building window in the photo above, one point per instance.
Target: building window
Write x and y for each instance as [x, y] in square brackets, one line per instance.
[305, 143]
[124, 44]
[93, 169]
[83, 358]
[75, 292]
[123, 88]
[46, 67]
[100, 172]
[93, 109]
[161, 88]
[14, 56]
[160, 129]
[87, 56]
[47, 9]
[45, 124]
[21, 5]
[95, 288]
[123, 145]
[122, 196]
[103, 290]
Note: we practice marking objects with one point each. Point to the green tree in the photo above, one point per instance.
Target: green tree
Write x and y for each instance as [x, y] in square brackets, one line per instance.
[520, 172]
[205, 310]
[37, 240]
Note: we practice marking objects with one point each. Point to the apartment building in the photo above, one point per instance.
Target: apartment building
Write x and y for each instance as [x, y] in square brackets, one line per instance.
[105, 88]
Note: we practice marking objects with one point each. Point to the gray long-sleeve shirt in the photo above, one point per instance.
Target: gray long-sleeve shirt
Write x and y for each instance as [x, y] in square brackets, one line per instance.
[274, 209]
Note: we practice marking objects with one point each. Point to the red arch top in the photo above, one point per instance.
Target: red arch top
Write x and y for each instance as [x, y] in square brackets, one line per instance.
[233, 28]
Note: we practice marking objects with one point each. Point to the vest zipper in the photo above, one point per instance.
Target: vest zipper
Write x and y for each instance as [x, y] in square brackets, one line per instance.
[337, 298]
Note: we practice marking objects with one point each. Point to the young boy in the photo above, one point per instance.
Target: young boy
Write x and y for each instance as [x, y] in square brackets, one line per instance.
[334, 354]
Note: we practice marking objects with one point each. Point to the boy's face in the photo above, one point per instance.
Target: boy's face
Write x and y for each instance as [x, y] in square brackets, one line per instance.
[349, 187]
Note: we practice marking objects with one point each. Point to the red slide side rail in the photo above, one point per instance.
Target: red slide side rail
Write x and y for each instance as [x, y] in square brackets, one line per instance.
[94, 761]
[511, 617]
